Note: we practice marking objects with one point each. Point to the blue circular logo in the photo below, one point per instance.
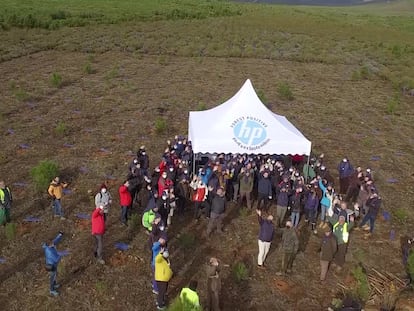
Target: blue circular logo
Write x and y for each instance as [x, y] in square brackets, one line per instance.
[249, 132]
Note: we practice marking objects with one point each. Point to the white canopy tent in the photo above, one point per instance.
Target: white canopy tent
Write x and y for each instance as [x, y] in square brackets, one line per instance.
[243, 124]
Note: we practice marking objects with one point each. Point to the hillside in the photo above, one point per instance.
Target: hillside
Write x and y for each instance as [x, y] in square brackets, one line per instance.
[85, 83]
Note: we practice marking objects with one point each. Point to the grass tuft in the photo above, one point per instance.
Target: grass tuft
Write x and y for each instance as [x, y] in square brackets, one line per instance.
[61, 128]
[10, 231]
[285, 92]
[56, 80]
[240, 272]
[160, 125]
[134, 222]
[362, 289]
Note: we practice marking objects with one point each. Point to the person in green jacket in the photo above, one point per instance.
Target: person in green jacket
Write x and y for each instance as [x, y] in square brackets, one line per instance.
[189, 297]
[341, 230]
[148, 218]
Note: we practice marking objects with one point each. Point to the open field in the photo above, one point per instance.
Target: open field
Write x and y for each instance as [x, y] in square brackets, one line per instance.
[84, 82]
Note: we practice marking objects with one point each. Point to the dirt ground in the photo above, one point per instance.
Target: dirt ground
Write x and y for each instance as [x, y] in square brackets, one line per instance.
[111, 112]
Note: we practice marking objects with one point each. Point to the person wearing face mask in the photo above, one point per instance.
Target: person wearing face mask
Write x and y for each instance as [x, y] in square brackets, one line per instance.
[163, 204]
[164, 183]
[345, 171]
[143, 159]
[144, 195]
[246, 178]
[103, 198]
[183, 194]
[199, 196]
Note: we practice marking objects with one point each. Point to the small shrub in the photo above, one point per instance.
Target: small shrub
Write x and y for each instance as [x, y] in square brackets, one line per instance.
[11, 229]
[88, 69]
[362, 289]
[410, 265]
[393, 104]
[56, 80]
[187, 240]
[262, 96]
[400, 214]
[101, 287]
[240, 272]
[244, 212]
[160, 125]
[134, 222]
[285, 91]
[61, 128]
[43, 173]
[113, 73]
[201, 107]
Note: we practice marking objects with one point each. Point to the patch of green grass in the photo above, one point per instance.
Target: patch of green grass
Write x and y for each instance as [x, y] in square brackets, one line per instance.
[113, 73]
[187, 241]
[400, 214]
[240, 272]
[21, 94]
[43, 173]
[134, 222]
[262, 96]
[10, 231]
[362, 289]
[56, 80]
[393, 104]
[244, 212]
[160, 125]
[61, 128]
[410, 265]
[177, 305]
[88, 68]
[101, 287]
[362, 73]
[201, 106]
[285, 91]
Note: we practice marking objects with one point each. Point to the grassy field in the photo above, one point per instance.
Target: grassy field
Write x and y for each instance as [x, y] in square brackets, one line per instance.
[85, 83]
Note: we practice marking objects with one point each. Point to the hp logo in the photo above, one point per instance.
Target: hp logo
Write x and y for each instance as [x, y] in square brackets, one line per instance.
[249, 132]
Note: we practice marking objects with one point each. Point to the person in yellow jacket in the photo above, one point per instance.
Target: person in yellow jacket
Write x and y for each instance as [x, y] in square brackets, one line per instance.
[6, 200]
[55, 190]
[189, 297]
[163, 275]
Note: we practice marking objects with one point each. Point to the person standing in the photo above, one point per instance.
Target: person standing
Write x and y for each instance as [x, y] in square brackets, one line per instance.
[6, 200]
[327, 199]
[341, 230]
[282, 205]
[345, 171]
[311, 209]
[246, 179]
[199, 196]
[55, 190]
[328, 251]
[296, 202]
[163, 275]
[125, 200]
[373, 203]
[189, 298]
[103, 198]
[52, 258]
[98, 230]
[264, 190]
[218, 208]
[266, 233]
[290, 246]
[213, 285]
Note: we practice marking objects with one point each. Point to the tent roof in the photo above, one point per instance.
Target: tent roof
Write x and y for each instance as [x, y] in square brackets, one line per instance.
[243, 124]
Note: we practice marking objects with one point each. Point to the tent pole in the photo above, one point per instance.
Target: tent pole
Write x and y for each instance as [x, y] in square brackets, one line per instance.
[307, 170]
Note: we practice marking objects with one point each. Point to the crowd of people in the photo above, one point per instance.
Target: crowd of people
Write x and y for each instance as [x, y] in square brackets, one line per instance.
[285, 192]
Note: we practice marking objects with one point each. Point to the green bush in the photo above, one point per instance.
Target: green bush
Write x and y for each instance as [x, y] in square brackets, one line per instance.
[410, 265]
[88, 69]
[285, 91]
[61, 128]
[201, 107]
[393, 104]
[400, 214]
[187, 240]
[240, 272]
[11, 230]
[134, 222]
[362, 289]
[160, 125]
[43, 173]
[56, 80]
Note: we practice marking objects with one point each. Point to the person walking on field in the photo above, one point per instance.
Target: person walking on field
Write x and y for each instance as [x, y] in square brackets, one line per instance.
[98, 230]
[213, 285]
[266, 233]
[6, 200]
[328, 251]
[125, 200]
[52, 260]
[55, 190]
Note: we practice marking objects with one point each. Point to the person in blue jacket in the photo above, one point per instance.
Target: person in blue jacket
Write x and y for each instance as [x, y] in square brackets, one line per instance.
[52, 260]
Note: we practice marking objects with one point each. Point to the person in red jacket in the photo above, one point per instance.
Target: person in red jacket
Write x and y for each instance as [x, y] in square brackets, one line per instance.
[164, 184]
[98, 230]
[125, 200]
